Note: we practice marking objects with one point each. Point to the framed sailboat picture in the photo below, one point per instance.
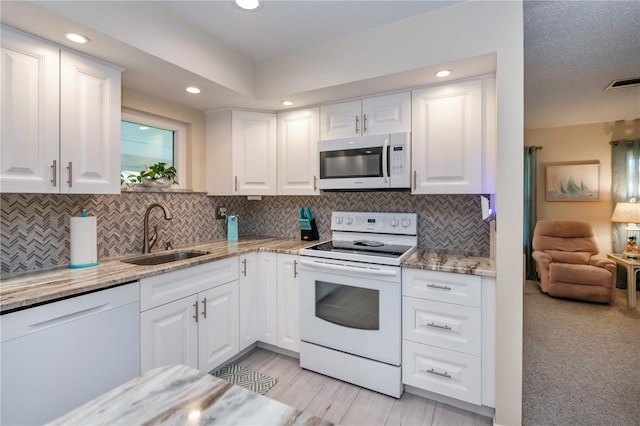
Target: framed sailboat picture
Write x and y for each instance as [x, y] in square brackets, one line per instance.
[573, 181]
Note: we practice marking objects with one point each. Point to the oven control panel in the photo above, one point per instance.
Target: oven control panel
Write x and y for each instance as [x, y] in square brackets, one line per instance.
[381, 223]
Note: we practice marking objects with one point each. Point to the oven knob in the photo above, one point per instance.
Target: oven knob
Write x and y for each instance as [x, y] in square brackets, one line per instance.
[349, 220]
[394, 222]
[406, 222]
[339, 220]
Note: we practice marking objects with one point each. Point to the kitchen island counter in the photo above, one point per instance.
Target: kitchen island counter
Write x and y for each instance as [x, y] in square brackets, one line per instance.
[178, 394]
[33, 288]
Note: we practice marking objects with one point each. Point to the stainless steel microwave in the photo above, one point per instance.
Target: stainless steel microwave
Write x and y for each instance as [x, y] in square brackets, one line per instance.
[365, 162]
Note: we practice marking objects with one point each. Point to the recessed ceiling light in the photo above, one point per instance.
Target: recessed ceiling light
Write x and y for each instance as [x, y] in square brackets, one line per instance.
[248, 4]
[443, 73]
[287, 103]
[77, 38]
[143, 128]
[192, 89]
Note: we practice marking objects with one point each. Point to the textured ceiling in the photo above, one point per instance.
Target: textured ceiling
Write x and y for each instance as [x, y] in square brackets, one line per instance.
[573, 50]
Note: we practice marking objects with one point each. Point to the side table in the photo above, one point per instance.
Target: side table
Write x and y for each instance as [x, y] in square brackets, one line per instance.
[632, 266]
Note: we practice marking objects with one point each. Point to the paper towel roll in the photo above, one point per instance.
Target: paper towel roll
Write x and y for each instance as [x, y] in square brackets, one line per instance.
[84, 242]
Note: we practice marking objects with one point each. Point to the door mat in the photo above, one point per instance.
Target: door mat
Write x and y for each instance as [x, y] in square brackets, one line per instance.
[248, 379]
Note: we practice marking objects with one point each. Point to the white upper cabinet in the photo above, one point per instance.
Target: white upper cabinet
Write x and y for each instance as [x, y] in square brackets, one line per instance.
[60, 120]
[447, 139]
[89, 126]
[30, 114]
[370, 116]
[241, 153]
[298, 134]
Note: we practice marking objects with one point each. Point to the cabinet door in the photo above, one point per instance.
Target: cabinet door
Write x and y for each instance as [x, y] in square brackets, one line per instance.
[298, 152]
[169, 335]
[386, 114]
[254, 144]
[340, 120]
[258, 299]
[218, 328]
[30, 114]
[288, 303]
[447, 139]
[89, 126]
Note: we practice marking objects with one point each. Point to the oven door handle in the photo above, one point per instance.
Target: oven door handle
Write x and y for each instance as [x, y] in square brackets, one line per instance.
[348, 268]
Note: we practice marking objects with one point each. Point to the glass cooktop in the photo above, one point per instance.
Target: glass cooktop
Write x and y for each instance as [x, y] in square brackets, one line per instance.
[362, 247]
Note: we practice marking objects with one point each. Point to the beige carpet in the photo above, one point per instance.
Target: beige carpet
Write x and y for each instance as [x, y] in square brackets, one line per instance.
[581, 361]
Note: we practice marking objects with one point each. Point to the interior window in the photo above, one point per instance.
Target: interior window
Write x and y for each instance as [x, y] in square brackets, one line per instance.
[143, 145]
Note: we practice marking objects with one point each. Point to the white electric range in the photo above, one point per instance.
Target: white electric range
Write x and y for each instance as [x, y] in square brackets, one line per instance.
[350, 299]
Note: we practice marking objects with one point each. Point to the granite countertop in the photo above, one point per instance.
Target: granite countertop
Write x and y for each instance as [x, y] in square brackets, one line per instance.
[25, 290]
[450, 262]
[181, 395]
[29, 289]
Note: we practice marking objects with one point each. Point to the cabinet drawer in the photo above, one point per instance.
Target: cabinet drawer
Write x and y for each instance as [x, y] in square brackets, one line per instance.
[447, 373]
[165, 288]
[442, 286]
[444, 325]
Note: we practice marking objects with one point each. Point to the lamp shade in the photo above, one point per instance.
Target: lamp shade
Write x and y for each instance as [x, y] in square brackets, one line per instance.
[626, 212]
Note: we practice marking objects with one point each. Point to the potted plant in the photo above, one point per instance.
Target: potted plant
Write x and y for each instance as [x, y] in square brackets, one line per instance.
[157, 175]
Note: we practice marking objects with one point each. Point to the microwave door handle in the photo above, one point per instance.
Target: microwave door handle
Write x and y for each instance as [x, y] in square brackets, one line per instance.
[385, 159]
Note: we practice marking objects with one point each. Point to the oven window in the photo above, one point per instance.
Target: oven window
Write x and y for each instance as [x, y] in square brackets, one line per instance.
[348, 306]
[364, 162]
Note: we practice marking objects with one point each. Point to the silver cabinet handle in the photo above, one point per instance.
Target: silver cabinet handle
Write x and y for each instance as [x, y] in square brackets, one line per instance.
[204, 308]
[357, 122]
[295, 268]
[437, 373]
[70, 168]
[364, 123]
[54, 173]
[434, 325]
[195, 305]
[439, 287]
[315, 186]
[415, 179]
[244, 267]
[236, 178]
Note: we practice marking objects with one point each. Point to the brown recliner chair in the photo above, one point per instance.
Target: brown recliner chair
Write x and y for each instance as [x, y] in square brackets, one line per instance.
[568, 264]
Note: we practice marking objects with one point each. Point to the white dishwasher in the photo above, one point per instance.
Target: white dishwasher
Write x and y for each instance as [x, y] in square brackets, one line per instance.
[57, 356]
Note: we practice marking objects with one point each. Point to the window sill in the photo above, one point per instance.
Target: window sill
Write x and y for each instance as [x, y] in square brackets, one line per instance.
[141, 188]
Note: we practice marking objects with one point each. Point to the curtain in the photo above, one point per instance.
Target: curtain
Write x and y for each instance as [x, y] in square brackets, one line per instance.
[530, 207]
[625, 185]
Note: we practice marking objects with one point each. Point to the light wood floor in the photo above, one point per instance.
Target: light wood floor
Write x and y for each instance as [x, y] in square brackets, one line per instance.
[347, 404]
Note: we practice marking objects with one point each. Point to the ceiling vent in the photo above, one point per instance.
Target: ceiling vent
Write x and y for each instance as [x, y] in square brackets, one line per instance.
[623, 84]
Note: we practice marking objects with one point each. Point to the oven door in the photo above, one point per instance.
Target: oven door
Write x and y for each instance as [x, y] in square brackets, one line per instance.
[351, 307]
[357, 163]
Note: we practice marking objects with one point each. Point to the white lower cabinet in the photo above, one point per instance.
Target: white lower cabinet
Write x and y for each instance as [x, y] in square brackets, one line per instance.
[190, 316]
[448, 334]
[269, 300]
[288, 303]
[169, 335]
[218, 328]
[258, 299]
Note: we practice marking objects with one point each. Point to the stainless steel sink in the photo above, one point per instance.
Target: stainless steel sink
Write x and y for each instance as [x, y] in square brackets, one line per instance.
[160, 258]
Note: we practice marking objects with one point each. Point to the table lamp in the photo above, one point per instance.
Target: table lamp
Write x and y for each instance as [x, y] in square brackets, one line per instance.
[629, 213]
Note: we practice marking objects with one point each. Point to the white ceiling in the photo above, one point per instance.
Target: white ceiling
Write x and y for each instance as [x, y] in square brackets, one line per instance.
[572, 49]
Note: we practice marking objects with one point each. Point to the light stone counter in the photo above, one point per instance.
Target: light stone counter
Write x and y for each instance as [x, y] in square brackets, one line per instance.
[450, 262]
[29, 289]
[181, 395]
[26, 290]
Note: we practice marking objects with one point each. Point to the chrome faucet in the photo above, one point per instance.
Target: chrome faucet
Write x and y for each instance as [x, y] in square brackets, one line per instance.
[148, 243]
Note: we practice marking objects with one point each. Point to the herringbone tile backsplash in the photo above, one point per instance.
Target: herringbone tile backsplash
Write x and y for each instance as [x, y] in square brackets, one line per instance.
[34, 228]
